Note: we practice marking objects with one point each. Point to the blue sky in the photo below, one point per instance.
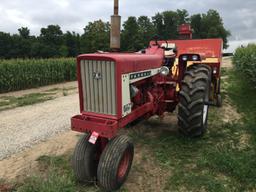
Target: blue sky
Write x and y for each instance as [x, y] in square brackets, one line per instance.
[238, 16]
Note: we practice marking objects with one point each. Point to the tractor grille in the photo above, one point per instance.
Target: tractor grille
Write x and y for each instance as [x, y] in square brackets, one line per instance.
[98, 83]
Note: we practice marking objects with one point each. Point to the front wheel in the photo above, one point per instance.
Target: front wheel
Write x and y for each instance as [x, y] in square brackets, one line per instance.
[194, 98]
[115, 163]
[85, 160]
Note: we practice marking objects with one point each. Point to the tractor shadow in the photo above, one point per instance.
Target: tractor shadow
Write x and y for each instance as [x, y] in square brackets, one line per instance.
[154, 127]
[146, 173]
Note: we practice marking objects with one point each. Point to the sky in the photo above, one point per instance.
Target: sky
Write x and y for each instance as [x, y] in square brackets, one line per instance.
[238, 16]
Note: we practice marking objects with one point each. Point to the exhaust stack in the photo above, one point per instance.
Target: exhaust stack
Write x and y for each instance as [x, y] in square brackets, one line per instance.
[115, 28]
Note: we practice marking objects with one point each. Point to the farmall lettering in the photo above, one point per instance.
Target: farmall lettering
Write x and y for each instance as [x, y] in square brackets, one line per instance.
[119, 89]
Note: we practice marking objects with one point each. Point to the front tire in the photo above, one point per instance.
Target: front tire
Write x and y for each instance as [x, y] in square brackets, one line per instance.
[115, 163]
[194, 98]
[85, 160]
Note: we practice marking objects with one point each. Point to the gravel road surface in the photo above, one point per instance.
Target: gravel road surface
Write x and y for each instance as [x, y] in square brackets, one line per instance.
[23, 127]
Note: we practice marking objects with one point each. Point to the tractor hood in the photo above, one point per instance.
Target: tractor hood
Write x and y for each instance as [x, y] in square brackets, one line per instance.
[130, 62]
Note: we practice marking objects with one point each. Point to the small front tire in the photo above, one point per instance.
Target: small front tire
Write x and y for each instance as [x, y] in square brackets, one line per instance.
[85, 160]
[115, 163]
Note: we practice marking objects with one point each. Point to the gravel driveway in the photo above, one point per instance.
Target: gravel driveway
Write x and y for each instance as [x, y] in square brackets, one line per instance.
[23, 127]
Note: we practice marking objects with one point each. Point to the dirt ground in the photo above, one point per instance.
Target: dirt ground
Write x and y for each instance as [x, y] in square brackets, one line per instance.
[20, 165]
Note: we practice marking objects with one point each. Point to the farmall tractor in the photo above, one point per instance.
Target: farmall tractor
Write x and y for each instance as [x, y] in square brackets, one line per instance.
[117, 89]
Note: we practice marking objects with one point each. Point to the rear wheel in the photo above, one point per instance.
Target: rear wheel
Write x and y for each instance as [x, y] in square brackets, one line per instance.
[115, 163]
[85, 160]
[194, 98]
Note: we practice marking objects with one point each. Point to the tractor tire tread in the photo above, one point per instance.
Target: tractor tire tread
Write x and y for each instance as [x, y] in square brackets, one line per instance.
[109, 160]
[194, 86]
[81, 160]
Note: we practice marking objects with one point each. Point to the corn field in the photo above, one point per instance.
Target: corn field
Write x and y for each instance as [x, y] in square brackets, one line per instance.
[245, 61]
[19, 74]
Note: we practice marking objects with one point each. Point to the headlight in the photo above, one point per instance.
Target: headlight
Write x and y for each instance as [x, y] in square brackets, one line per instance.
[195, 58]
[185, 58]
[164, 71]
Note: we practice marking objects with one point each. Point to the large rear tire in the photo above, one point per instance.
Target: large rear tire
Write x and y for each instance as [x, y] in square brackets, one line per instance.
[85, 160]
[115, 163]
[194, 98]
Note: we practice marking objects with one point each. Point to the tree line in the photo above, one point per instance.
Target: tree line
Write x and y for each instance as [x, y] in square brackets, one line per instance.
[135, 35]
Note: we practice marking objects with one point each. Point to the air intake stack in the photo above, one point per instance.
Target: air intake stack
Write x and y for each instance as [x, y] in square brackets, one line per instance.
[115, 28]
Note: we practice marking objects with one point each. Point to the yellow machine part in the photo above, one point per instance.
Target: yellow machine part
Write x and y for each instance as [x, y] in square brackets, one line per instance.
[175, 70]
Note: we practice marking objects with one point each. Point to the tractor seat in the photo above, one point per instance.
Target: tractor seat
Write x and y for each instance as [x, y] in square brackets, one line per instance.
[170, 50]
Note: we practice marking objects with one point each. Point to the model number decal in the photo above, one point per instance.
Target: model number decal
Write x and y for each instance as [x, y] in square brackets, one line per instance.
[127, 107]
[140, 75]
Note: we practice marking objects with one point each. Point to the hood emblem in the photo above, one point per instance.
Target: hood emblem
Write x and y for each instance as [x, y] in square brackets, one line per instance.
[97, 75]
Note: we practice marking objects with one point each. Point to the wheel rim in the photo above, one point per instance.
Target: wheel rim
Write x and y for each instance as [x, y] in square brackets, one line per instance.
[205, 112]
[124, 165]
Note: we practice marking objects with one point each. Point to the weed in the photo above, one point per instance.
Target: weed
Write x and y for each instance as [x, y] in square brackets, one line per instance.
[29, 99]
[57, 176]
[65, 92]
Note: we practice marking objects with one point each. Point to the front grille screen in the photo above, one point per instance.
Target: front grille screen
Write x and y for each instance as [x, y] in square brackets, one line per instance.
[99, 88]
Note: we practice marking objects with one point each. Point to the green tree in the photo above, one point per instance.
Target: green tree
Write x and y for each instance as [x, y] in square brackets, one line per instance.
[72, 42]
[170, 19]
[209, 25]
[22, 43]
[96, 37]
[183, 16]
[130, 37]
[5, 45]
[146, 30]
[52, 41]
[159, 24]
[196, 24]
[167, 23]
[24, 32]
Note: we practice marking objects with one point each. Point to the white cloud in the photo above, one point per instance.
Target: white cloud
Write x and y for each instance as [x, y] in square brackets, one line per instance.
[73, 15]
[235, 44]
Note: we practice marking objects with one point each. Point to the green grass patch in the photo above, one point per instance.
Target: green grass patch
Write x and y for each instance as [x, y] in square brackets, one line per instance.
[223, 159]
[4, 103]
[52, 90]
[243, 94]
[55, 176]
[32, 98]
[29, 99]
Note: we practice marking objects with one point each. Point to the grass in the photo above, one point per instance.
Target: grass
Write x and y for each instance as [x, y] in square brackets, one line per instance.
[65, 90]
[8, 102]
[222, 160]
[55, 175]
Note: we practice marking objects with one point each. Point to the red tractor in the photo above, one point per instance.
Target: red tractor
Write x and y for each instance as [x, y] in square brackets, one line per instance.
[116, 89]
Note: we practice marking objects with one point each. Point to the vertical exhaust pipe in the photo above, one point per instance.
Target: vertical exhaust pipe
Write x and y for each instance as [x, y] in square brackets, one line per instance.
[115, 28]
